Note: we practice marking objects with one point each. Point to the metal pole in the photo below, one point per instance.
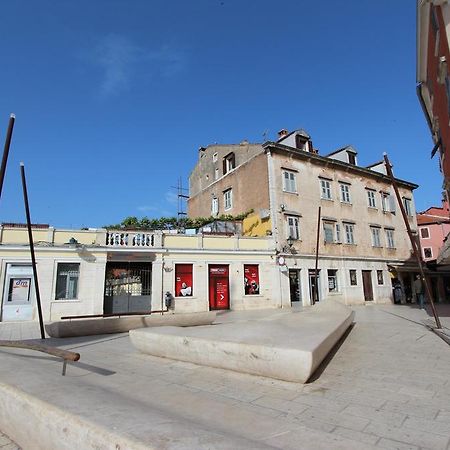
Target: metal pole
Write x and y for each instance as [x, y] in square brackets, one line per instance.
[30, 239]
[12, 119]
[316, 287]
[412, 239]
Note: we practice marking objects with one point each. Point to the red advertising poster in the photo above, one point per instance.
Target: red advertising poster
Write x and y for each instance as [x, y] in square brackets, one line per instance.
[251, 279]
[183, 280]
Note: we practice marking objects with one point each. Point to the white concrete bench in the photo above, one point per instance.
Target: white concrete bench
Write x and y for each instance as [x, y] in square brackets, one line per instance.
[288, 346]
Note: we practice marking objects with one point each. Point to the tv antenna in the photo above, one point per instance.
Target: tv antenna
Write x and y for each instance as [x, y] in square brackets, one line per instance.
[182, 194]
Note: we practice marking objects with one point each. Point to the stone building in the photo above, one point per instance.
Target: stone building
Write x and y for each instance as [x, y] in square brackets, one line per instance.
[363, 242]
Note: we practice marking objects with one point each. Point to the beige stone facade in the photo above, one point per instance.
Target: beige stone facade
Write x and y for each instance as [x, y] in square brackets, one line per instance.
[363, 241]
[88, 272]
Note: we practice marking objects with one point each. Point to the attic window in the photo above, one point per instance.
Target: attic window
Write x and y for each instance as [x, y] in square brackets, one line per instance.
[300, 142]
[229, 163]
[351, 158]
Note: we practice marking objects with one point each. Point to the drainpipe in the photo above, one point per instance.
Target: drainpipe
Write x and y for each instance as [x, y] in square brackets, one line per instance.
[273, 213]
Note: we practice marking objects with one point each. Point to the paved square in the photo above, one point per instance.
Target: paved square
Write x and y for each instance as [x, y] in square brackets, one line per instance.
[386, 386]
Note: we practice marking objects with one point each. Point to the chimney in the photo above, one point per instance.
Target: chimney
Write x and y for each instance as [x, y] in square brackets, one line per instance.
[282, 133]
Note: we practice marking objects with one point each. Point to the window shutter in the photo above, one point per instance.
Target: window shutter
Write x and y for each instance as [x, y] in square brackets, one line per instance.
[224, 164]
[392, 204]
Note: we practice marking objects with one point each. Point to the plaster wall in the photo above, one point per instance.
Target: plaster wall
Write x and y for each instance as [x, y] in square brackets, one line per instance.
[306, 201]
[249, 184]
[90, 287]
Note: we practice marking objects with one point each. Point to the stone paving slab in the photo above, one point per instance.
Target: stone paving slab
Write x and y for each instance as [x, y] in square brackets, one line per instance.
[148, 400]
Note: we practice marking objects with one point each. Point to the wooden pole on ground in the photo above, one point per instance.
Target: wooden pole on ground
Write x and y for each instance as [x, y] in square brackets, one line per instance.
[316, 276]
[33, 258]
[412, 239]
[12, 119]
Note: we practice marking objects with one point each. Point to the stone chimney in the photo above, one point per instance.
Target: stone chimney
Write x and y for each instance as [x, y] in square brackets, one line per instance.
[282, 133]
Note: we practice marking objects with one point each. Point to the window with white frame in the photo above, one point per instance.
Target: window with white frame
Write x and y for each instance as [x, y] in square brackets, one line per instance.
[390, 238]
[345, 192]
[338, 233]
[349, 229]
[214, 206]
[425, 233]
[371, 198]
[427, 252]
[385, 201]
[332, 280]
[376, 239]
[228, 199]
[407, 204]
[216, 173]
[329, 232]
[67, 281]
[325, 189]
[388, 202]
[292, 227]
[289, 181]
[229, 163]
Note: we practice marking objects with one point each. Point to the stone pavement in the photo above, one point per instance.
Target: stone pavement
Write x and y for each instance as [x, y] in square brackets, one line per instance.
[386, 386]
[7, 444]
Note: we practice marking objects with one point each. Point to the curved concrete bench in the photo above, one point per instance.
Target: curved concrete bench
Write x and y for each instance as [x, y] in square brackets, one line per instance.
[287, 347]
[87, 327]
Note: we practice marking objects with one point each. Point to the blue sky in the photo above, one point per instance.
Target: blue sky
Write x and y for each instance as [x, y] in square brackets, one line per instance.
[113, 98]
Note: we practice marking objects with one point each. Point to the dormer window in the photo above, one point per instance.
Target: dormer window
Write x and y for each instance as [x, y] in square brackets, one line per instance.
[229, 163]
[351, 158]
[300, 142]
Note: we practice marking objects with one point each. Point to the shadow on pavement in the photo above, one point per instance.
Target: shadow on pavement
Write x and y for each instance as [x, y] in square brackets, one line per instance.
[323, 365]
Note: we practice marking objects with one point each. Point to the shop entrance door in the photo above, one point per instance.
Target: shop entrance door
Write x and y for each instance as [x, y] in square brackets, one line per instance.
[128, 287]
[367, 285]
[294, 285]
[219, 287]
[314, 294]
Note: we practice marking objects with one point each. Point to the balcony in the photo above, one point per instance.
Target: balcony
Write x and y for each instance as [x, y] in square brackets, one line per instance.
[133, 239]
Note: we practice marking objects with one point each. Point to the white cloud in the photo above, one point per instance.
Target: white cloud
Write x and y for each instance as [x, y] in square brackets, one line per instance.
[120, 58]
[147, 208]
[171, 198]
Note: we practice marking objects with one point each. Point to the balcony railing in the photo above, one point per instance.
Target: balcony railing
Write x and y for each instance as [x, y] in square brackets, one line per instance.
[129, 239]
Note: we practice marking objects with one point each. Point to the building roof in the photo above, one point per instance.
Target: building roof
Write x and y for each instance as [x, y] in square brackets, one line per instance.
[347, 148]
[423, 219]
[334, 162]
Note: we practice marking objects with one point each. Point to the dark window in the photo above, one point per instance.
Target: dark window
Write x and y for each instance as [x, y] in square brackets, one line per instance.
[428, 252]
[351, 158]
[424, 233]
[380, 277]
[67, 281]
[229, 163]
[300, 142]
[332, 280]
[353, 281]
